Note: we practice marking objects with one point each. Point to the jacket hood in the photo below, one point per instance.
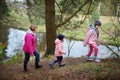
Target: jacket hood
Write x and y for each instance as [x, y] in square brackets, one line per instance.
[29, 31]
[94, 28]
[57, 41]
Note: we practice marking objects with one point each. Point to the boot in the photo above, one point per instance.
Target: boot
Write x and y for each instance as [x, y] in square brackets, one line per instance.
[52, 64]
[61, 64]
[37, 65]
[88, 59]
[25, 70]
[25, 67]
[96, 59]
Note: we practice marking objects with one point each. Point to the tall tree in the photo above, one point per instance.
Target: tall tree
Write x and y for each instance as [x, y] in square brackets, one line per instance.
[50, 25]
[50, 20]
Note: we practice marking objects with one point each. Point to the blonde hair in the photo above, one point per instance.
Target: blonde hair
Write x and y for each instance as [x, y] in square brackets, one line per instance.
[33, 27]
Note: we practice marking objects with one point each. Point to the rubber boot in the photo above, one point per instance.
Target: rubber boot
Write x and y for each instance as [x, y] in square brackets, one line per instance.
[37, 65]
[52, 64]
[61, 64]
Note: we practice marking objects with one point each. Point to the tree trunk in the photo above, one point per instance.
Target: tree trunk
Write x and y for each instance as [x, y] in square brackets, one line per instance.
[50, 26]
[3, 21]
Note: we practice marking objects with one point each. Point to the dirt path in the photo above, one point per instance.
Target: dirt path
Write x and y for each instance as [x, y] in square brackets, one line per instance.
[75, 69]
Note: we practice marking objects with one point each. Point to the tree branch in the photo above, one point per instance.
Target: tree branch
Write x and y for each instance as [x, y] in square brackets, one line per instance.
[59, 9]
[112, 51]
[87, 11]
[107, 32]
[68, 19]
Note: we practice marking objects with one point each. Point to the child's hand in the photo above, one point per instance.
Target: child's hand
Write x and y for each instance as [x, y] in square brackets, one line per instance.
[85, 45]
[98, 44]
[64, 53]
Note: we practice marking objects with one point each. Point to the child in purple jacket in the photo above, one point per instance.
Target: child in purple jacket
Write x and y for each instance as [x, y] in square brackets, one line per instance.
[92, 39]
[29, 47]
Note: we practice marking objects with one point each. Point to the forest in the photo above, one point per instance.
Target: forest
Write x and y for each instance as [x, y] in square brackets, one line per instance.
[68, 17]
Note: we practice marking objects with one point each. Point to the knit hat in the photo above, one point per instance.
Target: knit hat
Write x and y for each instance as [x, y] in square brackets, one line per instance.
[97, 22]
[60, 36]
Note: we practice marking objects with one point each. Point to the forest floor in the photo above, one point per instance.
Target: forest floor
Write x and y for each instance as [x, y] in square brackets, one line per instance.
[75, 69]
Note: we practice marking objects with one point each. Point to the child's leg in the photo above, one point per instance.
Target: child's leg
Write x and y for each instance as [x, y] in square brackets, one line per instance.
[37, 56]
[90, 50]
[53, 62]
[59, 58]
[56, 60]
[26, 60]
[95, 49]
[37, 59]
[60, 61]
[95, 53]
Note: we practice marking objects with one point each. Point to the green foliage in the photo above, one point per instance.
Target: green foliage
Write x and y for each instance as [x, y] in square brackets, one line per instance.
[69, 6]
[94, 16]
[98, 70]
[15, 59]
[36, 10]
[73, 24]
[114, 41]
[107, 8]
[3, 9]
[110, 33]
[2, 50]
[2, 54]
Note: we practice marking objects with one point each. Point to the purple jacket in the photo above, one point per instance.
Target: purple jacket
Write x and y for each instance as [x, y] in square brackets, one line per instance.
[29, 43]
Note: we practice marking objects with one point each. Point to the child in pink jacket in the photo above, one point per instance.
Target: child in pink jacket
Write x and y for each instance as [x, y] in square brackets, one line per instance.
[58, 51]
[29, 48]
[92, 39]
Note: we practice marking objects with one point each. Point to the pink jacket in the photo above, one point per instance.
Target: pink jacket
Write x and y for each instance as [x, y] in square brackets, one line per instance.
[91, 38]
[29, 43]
[59, 48]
